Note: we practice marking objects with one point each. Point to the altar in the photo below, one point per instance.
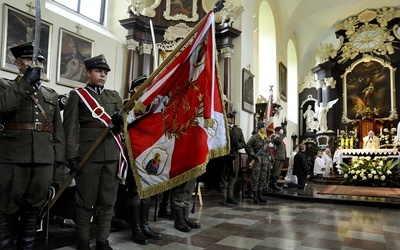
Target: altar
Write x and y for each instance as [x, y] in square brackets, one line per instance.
[341, 154]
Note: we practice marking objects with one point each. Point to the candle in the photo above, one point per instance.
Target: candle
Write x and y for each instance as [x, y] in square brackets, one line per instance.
[342, 142]
[355, 133]
[347, 142]
[351, 142]
[337, 132]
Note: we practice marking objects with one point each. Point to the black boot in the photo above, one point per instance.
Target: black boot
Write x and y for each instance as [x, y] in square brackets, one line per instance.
[144, 221]
[180, 223]
[163, 211]
[172, 215]
[137, 234]
[27, 231]
[83, 245]
[255, 198]
[250, 192]
[260, 198]
[189, 221]
[103, 245]
[275, 183]
[6, 231]
[223, 202]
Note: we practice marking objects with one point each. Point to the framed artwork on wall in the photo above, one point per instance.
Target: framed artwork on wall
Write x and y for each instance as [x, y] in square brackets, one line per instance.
[282, 81]
[181, 10]
[247, 91]
[19, 28]
[368, 87]
[73, 49]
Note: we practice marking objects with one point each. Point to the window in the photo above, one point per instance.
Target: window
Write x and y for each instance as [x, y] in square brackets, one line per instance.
[93, 9]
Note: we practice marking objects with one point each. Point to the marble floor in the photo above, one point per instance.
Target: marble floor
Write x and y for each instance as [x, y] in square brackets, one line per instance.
[292, 219]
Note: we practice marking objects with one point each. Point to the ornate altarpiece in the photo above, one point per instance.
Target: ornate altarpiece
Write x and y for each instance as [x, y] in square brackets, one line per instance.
[361, 72]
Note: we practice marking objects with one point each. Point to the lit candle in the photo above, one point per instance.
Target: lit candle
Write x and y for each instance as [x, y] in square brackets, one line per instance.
[351, 142]
[347, 142]
[342, 142]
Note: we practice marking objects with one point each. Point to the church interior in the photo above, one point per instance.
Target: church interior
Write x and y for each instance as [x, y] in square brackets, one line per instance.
[329, 68]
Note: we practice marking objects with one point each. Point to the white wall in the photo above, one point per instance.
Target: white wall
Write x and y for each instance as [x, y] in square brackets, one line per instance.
[105, 42]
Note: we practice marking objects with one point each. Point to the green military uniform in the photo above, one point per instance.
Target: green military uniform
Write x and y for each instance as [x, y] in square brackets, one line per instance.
[29, 146]
[98, 183]
[259, 171]
[279, 156]
[229, 163]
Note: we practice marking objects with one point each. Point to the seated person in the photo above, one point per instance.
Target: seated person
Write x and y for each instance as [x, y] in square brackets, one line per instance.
[371, 141]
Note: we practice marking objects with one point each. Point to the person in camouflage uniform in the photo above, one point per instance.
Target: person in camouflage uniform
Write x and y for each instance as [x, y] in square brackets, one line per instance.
[258, 150]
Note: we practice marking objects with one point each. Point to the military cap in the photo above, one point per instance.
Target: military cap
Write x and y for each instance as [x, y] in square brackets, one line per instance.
[137, 82]
[261, 125]
[278, 128]
[98, 62]
[25, 50]
[230, 115]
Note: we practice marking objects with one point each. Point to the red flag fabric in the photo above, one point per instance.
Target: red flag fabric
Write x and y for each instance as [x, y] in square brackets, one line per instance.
[186, 124]
[269, 116]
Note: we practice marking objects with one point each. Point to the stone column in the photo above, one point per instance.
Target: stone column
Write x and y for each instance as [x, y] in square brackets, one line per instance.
[132, 46]
[146, 58]
[227, 54]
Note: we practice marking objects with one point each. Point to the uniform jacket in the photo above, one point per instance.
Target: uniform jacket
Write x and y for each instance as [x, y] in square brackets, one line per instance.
[255, 143]
[280, 147]
[237, 138]
[80, 140]
[29, 146]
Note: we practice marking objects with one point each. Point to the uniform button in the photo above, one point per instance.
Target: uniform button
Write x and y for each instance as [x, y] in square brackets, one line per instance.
[35, 106]
[36, 120]
[35, 93]
[37, 113]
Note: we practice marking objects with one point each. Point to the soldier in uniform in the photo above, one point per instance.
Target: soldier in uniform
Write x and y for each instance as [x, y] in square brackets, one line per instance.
[229, 163]
[258, 150]
[181, 196]
[279, 156]
[139, 208]
[96, 183]
[31, 145]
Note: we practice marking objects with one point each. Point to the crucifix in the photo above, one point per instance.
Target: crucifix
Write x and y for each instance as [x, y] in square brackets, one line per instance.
[78, 29]
[31, 7]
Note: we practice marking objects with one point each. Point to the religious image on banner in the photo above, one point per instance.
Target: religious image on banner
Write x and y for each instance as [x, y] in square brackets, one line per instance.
[178, 123]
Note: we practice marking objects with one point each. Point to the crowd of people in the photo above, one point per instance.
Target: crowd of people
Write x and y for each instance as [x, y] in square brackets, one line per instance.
[37, 142]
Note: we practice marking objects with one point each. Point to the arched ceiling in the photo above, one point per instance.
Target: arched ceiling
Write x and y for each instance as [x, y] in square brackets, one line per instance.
[311, 22]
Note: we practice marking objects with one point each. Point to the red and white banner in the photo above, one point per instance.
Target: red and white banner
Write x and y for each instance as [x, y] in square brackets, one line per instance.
[269, 116]
[186, 124]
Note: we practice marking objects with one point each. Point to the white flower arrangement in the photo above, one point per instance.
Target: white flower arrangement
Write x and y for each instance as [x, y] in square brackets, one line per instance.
[370, 171]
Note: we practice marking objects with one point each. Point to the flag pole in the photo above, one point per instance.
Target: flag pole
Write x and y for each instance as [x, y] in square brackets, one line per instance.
[138, 93]
[128, 105]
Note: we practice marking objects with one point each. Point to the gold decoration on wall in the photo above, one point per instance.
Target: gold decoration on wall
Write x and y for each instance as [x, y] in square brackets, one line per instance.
[368, 32]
